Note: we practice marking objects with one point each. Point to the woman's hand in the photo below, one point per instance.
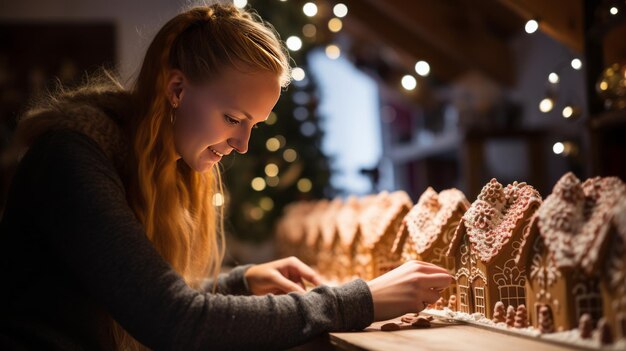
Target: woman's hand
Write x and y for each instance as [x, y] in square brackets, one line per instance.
[280, 276]
[408, 288]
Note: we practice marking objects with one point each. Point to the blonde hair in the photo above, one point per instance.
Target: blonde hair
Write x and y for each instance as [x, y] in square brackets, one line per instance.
[173, 202]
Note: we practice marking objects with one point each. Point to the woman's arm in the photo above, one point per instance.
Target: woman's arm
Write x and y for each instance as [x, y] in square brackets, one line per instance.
[88, 223]
[230, 283]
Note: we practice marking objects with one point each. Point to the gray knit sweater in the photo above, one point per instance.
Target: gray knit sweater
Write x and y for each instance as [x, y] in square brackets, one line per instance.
[72, 251]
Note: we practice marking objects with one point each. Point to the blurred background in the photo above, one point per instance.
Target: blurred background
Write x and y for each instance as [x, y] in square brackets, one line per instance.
[387, 95]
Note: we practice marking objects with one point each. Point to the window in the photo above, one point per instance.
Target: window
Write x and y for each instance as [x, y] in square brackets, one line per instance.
[513, 295]
[479, 299]
[463, 292]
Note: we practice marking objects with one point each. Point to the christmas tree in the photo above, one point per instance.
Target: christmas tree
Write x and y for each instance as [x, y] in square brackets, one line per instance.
[284, 162]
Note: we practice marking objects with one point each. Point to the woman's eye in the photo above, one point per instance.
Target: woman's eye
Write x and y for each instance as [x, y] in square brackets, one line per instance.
[231, 120]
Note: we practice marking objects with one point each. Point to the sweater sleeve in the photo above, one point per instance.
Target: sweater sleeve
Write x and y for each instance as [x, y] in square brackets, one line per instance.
[87, 221]
[231, 283]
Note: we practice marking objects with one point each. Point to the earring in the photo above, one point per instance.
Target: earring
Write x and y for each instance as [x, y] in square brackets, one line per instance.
[173, 113]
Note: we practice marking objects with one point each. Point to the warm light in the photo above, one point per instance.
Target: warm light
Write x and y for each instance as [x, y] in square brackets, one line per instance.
[553, 78]
[335, 25]
[340, 10]
[290, 155]
[294, 43]
[304, 185]
[604, 85]
[271, 119]
[298, 74]
[614, 10]
[271, 170]
[531, 26]
[218, 199]
[568, 111]
[409, 82]
[333, 52]
[309, 9]
[558, 148]
[272, 181]
[546, 105]
[422, 68]
[309, 30]
[266, 203]
[272, 144]
[256, 213]
[240, 3]
[258, 184]
[576, 64]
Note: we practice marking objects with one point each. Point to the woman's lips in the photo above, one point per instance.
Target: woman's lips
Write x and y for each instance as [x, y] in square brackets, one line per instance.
[215, 152]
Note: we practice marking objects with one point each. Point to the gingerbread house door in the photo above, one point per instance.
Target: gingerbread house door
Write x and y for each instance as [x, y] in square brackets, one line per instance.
[463, 293]
[478, 295]
[587, 298]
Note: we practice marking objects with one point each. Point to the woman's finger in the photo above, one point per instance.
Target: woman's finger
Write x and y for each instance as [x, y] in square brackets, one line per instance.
[429, 296]
[435, 281]
[287, 285]
[306, 272]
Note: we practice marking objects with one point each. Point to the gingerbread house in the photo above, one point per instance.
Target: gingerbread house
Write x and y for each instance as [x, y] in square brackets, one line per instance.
[290, 228]
[485, 245]
[564, 255]
[342, 267]
[378, 226]
[427, 230]
[312, 232]
[328, 236]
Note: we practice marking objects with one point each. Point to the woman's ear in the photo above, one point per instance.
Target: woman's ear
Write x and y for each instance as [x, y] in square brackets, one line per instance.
[175, 86]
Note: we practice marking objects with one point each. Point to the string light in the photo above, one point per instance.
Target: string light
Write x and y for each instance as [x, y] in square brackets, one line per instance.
[256, 213]
[272, 181]
[298, 74]
[335, 25]
[218, 199]
[577, 64]
[309, 9]
[294, 43]
[240, 3]
[266, 203]
[333, 51]
[258, 184]
[304, 185]
[422, 68]
[409, 82]
[546, 105]
[531, 26]
[309, 30]
[558, 148]
[553, 78]
[272, 118]
[614, 10]
[340, 10]
[271, 170]
[290, 155]
[272, 144]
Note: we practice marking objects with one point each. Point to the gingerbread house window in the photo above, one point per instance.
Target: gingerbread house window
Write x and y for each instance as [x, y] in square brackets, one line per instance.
[464, 307]
[479, 299]
[512, 295]
[588, 301]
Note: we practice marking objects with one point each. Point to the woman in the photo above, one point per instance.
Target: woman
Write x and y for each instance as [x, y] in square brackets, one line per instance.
[109, 235]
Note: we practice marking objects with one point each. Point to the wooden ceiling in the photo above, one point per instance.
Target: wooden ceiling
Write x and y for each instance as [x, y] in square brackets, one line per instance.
[456, 36]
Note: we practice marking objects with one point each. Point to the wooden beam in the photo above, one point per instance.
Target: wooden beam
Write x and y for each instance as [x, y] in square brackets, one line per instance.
[445, 26]
[560, 19]
[379, 29]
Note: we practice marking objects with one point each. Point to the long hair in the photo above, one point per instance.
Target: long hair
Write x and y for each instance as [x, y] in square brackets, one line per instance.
[172, 201]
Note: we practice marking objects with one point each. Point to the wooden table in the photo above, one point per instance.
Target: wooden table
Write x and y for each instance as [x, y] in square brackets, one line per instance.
[441, 336]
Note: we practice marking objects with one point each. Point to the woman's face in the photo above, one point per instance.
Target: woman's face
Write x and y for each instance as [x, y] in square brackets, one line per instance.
[216, 118]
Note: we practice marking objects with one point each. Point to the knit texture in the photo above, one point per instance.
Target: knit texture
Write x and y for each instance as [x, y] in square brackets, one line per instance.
[72, 251]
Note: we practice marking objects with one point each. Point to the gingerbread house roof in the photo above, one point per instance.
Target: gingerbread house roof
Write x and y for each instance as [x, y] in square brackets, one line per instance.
[426, 220]
[328, 222]
[291, 225]
[376, 218]
[348, 217]
[312, 222]
[575, 219]
[494, 217]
